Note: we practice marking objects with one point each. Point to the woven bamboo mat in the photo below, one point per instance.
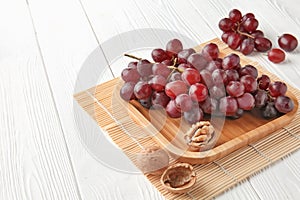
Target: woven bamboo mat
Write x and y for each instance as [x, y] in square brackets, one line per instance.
[113, 116]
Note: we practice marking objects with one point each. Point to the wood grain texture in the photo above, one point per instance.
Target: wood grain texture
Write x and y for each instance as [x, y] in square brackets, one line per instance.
[34, 160]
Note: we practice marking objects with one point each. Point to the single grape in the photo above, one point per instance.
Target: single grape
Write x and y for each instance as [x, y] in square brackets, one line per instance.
[175, 88]
[158, 83]
[126, 91]
[232, 75]
[228, 106]
[142, 90]
[262, 44]
[197, 60]
[184, 54]
[276, 55]
[248, 70]
[210, 51]
[230, 61]
[235, 15]
[246, 101]
[250, 24]
[249, 83]
[217, 92]
[198, 92]
[173, 47]
[269, 111]
[287, 42]
[247, 46]
[167, 62]
[209, 105]
[144, 67]
[190, 76]
[183, 103]
[235, 88]
[234, 40]
[261, 98]
[193, 115]
[159, 55]
[225, 35]
[247, 15]
[214, 64]
[284, 104]
[130, 75]
[225, 24]
[277, 88]
[171, 110]
[161, 69]
[219, 77]
[159, 99]
[263, 82]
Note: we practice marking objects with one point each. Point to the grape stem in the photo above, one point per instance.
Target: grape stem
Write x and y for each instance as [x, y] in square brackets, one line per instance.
[243, 33]
[131, 56]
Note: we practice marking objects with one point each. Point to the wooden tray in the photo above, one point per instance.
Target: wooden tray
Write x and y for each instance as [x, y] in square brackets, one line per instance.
[169, 133]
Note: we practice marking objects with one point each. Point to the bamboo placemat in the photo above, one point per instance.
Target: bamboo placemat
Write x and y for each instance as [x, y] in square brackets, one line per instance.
[101, 103]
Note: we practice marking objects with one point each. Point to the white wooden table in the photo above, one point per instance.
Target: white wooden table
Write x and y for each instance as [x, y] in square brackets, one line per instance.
[43, 45]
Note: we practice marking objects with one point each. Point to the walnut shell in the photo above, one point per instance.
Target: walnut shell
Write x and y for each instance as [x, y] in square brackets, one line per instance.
[152, 160]
[201, 136]
[179, 178]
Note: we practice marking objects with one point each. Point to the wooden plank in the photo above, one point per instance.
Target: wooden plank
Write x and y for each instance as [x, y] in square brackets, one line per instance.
[34, 160]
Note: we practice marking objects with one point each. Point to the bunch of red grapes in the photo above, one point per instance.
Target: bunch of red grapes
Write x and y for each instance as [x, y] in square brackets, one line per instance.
[240, 33]
[190, 84]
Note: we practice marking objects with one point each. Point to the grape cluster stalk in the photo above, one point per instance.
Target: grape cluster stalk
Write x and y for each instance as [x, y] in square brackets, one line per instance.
[193, 84]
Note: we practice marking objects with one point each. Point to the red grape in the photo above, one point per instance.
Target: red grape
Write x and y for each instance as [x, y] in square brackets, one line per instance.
[158, 83]
[225, 36]
[247, 15]
[210, 51]
[126, 91]
[132, 65]
[257, 33]
[247, 46]
[159, 99]
[214, 64]
[277, 88]
[235, 88]
[263, 82]
[172, 110]
[287, 42]
[198, 92]
[144, 67]
[232, 75]
[183, 102]
[219, 77]
[173, 47]
[194, 115]
[206, 78]
[248, 70]
[235, 15]
[161, 69]
[225, 24]
[217, 92]
[175, 76]
[262, 44]
[175, 88]
[130, 75]
[190, 76]
[197, 60]
[276, 55]
[246, 101]
[261, 98]
[249, 83]
[284, 104]
[159, 55]
[142, 90]
[184, 54]
[250, 24]
[270, 111]
[228, 106]
[234, 40]
[230, 61]
[209, 106]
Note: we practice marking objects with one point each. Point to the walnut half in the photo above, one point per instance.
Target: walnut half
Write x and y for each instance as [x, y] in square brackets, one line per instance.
[201, 136]
[179, 178]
